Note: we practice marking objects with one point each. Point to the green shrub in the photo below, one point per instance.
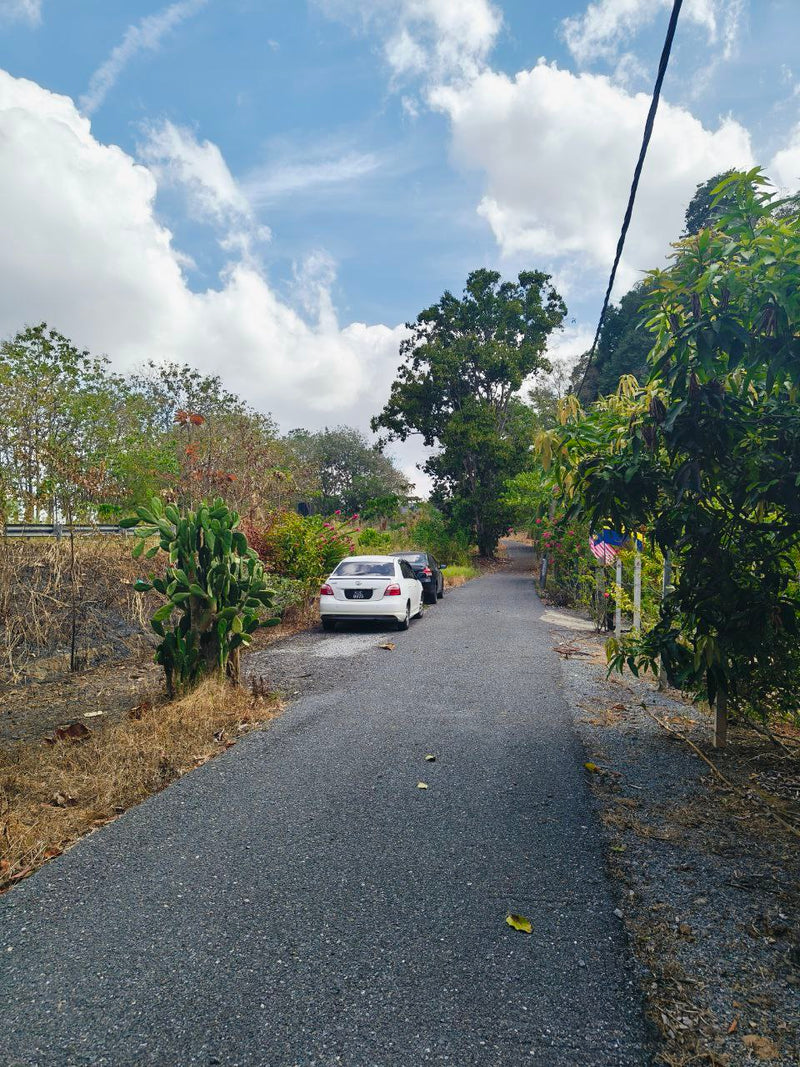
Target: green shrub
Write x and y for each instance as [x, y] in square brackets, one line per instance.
[374, 541]
[286, 592]
[431, 533]
[304, 548]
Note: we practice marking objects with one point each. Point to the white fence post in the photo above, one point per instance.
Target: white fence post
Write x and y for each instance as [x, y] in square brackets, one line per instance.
[617, 592]
[637, 585]
[666, 582]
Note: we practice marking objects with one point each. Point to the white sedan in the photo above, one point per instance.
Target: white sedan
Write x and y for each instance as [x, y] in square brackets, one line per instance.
[371, 587]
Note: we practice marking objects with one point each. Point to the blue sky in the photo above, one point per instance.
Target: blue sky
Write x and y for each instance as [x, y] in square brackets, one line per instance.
[294, 180]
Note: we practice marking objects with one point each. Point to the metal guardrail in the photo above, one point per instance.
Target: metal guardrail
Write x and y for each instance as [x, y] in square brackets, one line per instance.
[57, 530]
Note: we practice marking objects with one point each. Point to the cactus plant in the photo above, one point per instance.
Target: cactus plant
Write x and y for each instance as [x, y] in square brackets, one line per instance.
[214, 590]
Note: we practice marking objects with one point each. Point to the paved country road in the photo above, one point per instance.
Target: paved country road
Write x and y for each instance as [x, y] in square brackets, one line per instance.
[300, 901]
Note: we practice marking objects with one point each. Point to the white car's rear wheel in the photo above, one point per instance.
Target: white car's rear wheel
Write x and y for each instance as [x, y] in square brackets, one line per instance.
[405, 622]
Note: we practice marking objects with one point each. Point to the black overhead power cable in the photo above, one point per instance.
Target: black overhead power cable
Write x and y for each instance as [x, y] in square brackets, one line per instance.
[648, 130]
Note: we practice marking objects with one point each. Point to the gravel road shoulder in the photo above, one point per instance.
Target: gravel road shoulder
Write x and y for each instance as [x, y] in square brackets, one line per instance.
[707, 883]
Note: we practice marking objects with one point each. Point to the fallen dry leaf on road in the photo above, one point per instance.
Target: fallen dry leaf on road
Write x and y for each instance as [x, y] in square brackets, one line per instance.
[430, 758]
[733, 1026]
[422, 785]
[592, 768]
[761, 1047]
[519, 922]
[388, 645]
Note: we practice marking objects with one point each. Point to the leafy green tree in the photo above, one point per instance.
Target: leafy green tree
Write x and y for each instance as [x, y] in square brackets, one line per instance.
[349, 470]
[622, 348]
[625, 341]
[466, 361]
[706, 208]
[707, 456]
[211, 442]
[62, 418]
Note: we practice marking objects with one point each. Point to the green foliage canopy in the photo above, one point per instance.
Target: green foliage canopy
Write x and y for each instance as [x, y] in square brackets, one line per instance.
[465, 362]
[707, 455]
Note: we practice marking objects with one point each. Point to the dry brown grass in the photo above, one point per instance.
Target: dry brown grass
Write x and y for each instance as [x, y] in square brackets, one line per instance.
[41, 589]
[52, 793]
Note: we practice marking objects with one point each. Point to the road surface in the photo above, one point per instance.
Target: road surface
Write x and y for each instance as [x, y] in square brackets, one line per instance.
[300, 901]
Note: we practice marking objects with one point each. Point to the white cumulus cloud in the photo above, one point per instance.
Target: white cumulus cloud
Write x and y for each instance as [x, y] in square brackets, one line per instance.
[784, 168]
[434, 39]
[558, 152]
[84, 251]
[176, 157]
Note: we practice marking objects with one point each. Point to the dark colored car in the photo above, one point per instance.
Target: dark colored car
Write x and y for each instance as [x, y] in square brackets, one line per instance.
[428, 571]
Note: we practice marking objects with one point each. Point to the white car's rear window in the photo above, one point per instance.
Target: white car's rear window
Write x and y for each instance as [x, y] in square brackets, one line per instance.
[361, 568]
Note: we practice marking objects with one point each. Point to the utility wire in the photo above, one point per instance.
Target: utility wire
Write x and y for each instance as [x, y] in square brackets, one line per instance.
[648, 130]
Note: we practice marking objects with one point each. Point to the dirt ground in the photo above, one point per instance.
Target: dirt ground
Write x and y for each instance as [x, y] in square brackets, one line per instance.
[708, 873]
[33, 709]
[34, 706]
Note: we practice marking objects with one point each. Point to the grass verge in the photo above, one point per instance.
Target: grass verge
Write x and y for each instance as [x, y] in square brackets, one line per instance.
[456, 576]
[54, 792]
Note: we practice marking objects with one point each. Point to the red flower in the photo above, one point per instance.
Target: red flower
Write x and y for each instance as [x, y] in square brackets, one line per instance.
[538, 522]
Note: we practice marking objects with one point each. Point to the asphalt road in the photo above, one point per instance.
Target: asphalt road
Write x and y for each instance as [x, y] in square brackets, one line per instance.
[300, 901]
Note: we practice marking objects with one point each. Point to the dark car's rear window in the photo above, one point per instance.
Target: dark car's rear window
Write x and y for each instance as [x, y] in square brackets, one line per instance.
[415, 558]
[359, 568]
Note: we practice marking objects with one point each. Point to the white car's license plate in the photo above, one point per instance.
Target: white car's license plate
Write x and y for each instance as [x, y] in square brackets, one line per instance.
[359, 594]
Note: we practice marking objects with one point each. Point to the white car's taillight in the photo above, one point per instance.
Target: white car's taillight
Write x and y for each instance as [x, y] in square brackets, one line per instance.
[393, 590]
[326, 590]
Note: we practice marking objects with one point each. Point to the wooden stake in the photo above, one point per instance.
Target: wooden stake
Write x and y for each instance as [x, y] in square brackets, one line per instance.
[618, 606]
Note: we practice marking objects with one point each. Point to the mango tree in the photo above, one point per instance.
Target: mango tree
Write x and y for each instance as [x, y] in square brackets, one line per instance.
[711, 465]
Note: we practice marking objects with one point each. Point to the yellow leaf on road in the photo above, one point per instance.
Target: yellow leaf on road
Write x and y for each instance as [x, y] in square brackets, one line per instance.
[519, 922]
[592, 768]
[388, 645]
[430, 758]
[422, 785]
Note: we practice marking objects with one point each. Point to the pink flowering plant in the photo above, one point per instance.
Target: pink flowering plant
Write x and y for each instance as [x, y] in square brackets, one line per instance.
[565, 544]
